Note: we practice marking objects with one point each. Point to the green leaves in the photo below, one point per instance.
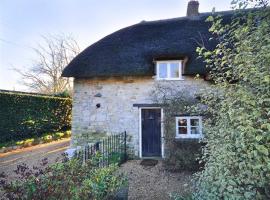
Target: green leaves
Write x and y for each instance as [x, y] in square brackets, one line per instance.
[210, 19]
[26, 116]
[63, 180]
[259, 138]
[262, 149]
[238, 129]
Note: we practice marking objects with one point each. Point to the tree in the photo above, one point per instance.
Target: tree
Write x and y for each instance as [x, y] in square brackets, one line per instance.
[237, 154]
[52, 56]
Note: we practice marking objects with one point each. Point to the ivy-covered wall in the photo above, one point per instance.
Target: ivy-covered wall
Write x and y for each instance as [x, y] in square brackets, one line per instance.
[180, 154]
[23, 116]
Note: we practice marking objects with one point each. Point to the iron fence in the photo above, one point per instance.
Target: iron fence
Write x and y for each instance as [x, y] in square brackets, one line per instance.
[112, 149]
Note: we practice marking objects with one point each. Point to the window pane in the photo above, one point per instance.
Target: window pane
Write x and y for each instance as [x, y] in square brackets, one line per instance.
[182, 130]
[182, 122]
[195, 130]
[174, 73]
[162, 67]
[194, 122]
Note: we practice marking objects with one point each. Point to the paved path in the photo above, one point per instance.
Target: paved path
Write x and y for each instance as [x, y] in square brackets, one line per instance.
[32, 155]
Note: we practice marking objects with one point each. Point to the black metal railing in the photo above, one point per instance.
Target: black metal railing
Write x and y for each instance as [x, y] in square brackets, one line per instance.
[112, 149]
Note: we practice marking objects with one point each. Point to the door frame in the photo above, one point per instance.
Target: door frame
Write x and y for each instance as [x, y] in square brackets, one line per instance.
[140, 130]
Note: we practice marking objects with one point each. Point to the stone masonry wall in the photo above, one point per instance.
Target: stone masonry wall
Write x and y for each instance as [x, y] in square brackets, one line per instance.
[116, 97]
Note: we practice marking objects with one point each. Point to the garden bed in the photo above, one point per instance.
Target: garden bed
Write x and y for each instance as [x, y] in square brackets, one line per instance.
[78, 180]
[46, 138]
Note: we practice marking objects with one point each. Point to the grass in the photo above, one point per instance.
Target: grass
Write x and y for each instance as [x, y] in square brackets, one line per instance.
[45, 138]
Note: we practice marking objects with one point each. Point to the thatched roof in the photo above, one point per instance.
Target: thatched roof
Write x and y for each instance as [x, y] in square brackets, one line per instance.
[132, 50]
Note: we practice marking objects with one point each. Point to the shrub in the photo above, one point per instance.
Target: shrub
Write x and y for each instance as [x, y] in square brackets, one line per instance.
[175, 196]
[37, 140]
[25, 116]
[116, 157]
[29, 142]
[64, 94]
[183, 155]
[237, 153]
[63, 180]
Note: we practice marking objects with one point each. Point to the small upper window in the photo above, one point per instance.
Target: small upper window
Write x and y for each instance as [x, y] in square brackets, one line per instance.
[189, 127]
[169, 70]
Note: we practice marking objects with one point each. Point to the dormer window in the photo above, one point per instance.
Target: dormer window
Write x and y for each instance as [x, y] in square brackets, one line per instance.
[169, 70]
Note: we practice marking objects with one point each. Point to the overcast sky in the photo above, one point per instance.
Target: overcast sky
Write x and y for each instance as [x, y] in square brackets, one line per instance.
[22, 22]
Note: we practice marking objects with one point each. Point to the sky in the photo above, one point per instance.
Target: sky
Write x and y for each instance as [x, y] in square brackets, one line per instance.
[23, 22]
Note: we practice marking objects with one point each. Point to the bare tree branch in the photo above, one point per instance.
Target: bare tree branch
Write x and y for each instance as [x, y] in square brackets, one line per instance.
[52, 56]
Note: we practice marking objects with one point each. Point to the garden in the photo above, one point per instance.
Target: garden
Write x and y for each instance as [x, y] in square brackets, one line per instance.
[91, 173]
[66, 179]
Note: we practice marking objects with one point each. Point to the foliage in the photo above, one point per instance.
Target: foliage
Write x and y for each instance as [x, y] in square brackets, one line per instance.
[53, 54]
[68, 179]
[44, 138]
[183, 155]
[176, 196]
[237, 153]
[180, 155]
[116, 157]
[110, 150]
[64, 94]
[25, 116]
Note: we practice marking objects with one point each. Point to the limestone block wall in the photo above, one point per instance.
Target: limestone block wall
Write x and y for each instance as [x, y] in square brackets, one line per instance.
[106, 105]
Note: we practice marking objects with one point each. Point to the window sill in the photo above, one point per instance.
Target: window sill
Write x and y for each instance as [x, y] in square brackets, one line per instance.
[169, 79]
[181, 139]
[187, 137]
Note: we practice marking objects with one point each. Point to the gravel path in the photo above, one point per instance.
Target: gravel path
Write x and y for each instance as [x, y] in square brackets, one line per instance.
[145, 182]
[32, 155]
[154, 183]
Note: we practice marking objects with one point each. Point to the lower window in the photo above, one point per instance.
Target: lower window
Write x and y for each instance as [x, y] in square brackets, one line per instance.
[189, 127]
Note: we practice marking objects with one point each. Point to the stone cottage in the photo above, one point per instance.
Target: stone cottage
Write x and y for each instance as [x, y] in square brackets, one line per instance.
[115, 77]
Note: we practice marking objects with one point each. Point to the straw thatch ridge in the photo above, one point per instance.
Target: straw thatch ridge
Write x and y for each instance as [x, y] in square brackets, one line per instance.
[132, 50]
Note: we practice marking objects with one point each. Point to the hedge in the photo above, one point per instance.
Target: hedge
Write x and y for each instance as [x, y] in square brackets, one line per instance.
[23, 116]
[183, 154]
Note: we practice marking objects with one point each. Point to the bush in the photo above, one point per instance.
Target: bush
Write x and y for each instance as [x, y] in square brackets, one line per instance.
[44, 138]
[237, 153]
[175, 196]
[183, 155]
[63, 180]
[65, 94]
[180, 154]
[25, 116]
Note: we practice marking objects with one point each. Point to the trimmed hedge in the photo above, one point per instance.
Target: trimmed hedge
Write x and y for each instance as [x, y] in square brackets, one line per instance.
[23, 116]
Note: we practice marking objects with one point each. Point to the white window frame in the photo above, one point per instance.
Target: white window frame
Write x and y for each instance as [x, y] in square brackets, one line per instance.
[188, 135]
[168, 63]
